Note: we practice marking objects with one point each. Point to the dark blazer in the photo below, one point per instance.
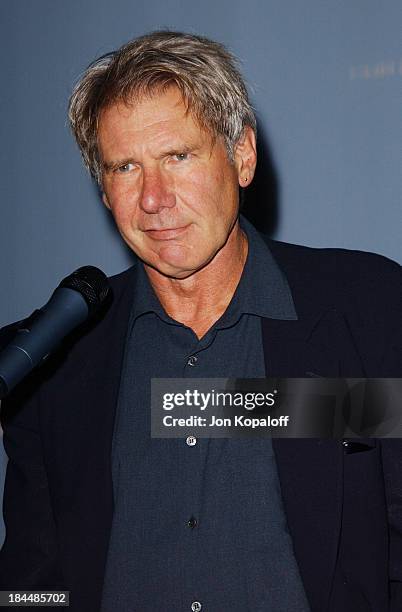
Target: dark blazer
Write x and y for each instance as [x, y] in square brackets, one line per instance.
[344, 510]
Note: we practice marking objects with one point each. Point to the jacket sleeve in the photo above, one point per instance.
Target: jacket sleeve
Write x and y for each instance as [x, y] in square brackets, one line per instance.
[29, 557]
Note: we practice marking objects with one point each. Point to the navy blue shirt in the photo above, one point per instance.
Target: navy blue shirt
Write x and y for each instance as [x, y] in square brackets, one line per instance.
[200, 524]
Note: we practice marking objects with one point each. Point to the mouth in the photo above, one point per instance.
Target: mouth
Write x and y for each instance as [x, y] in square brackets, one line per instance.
[166, 234]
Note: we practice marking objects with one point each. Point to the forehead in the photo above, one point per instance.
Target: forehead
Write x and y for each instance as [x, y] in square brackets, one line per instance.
[151, 118]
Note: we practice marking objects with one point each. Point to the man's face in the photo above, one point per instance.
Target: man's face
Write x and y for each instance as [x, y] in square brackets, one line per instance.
[172, 190]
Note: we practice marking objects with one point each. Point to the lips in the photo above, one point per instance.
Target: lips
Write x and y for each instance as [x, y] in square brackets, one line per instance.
[166, 234]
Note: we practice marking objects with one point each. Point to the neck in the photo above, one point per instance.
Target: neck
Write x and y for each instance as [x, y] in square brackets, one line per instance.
[201, 299]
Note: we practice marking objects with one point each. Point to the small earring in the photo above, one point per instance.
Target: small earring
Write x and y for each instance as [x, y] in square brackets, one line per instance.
[245, 179]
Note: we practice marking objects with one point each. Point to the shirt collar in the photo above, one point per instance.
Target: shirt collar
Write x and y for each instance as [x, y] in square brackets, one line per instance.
[263, 289]
[145, 299]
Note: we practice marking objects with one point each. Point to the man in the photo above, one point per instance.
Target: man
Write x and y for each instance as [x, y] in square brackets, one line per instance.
[125, 522]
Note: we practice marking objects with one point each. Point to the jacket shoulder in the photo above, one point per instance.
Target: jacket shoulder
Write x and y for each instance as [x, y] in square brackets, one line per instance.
[364, 288]
[118, 282]
[341, 272]
[344, 263]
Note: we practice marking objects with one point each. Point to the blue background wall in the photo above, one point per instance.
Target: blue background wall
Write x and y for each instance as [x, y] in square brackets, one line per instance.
[326, 82]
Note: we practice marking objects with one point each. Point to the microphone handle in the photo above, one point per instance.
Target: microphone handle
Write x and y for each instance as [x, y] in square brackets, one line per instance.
[40, 335]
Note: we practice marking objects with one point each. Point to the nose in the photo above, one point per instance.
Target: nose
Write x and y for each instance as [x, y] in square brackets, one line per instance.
[155, 192]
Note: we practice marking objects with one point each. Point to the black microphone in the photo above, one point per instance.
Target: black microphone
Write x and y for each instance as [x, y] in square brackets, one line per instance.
[77, 299]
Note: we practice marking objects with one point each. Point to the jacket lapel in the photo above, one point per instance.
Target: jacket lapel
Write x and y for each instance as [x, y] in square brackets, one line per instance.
[79, 432]
[310, 473]
[310, 470]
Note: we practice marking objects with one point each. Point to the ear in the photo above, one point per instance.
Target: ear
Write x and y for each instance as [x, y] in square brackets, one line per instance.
[245, 156]
[105, 200]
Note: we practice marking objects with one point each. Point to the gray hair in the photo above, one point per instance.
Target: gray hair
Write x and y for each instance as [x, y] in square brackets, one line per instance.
[204, 71]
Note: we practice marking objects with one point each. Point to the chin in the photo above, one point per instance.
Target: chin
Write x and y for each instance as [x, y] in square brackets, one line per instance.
[177, 269]
[173, 271]
[177, 260]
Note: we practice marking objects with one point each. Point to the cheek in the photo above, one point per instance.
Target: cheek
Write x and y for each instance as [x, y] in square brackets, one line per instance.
[190, 188]
[123, 208]
[202, 193]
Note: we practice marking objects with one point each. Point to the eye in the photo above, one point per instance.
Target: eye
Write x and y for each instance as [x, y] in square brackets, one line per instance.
[181, 156]
[124, 168]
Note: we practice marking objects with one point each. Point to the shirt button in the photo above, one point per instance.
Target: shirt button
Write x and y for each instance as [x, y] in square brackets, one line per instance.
[192, 522]
[196, 606]
[192, 360]
[191, 441]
